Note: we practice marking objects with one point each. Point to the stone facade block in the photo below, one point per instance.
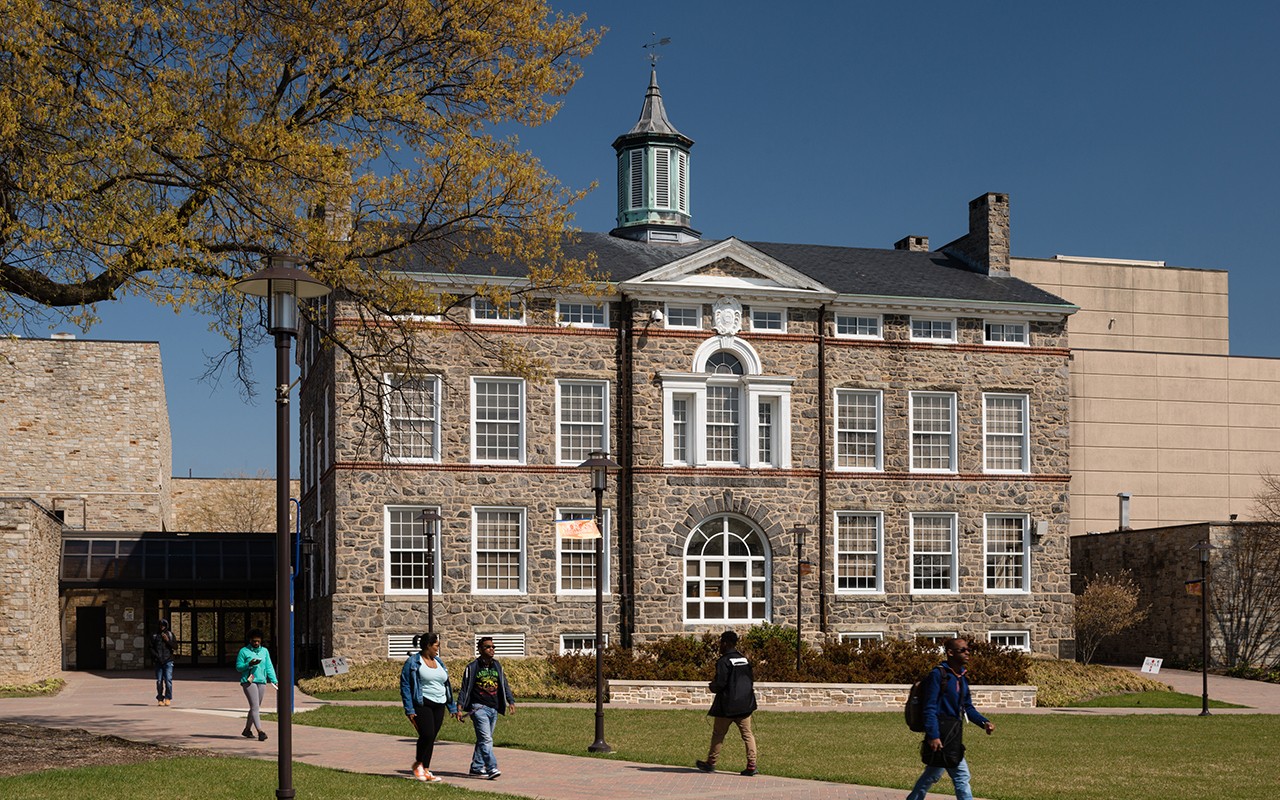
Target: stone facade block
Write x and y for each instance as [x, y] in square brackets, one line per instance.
[868, 696]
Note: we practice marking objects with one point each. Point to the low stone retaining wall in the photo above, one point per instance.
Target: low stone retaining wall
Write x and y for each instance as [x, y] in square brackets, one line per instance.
[871, 696]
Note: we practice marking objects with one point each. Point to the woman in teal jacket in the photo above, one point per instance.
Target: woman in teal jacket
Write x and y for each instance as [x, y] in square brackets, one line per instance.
[254, 665]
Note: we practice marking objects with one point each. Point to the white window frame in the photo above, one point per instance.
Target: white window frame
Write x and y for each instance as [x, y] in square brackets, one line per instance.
[603, 443]
[581, 304]
[766, 438]
[586, 651]
[476, 380]
[1025, 436]
[782, 321]
[936, 637]
[1023, 557]
[860, 636]
[415, 514]
[853, 315]
[478, 302]
[583, 513]
[476, 511]
[953, 434]
[432, 421]
[697, 315]
[1024, 341]
[1026, 639]
[953, 555]
[686, 427]
[932, 321]
[878, 396]
[702, 578]
[878, 552]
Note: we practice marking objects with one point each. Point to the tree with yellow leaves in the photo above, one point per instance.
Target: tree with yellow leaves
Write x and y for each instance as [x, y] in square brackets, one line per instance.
[159, 148]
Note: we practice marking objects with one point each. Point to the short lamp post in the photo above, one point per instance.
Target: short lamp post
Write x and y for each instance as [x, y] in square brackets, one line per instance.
[283, 283]
[599, 463]
[1203, 548]
[430, 519]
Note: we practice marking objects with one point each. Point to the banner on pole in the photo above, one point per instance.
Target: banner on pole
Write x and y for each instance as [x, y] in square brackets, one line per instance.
[577, 529]
[1194, 587]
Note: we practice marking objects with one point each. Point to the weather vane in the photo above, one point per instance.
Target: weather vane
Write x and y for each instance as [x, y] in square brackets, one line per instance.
[653, 46]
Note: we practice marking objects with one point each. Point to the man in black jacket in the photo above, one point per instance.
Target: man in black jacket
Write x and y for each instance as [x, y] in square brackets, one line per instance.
[485, 694]
[735, 699]
[163, 643]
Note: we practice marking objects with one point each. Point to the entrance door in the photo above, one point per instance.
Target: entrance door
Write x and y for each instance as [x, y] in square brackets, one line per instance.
[91, 637]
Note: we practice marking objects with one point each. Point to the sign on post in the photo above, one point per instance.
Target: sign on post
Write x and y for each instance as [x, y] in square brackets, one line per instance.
[1152, 665]
[334, 666]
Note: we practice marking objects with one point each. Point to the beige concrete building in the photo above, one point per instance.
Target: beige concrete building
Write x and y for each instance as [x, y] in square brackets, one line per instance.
[1159, 409]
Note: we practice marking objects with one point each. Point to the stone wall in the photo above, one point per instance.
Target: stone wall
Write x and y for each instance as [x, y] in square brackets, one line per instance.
[126, 635]
[31, 546]
[868, 696]
[85, 431]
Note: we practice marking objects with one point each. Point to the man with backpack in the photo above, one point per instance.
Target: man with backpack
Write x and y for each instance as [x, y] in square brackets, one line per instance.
[946, 703]
[735, 700]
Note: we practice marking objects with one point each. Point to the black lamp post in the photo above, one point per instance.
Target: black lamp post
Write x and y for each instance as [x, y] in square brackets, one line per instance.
[283, 283]
[308, 553]
[429, 521]
[801, 564]
[599, 464]
[1203, 548]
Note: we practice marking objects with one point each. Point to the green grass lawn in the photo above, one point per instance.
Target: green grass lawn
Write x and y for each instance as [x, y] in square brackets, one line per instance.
[1031, 757]
[1150, 700]
[193, 778]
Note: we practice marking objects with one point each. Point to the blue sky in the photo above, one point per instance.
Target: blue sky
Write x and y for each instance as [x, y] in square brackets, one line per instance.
[1119, 130]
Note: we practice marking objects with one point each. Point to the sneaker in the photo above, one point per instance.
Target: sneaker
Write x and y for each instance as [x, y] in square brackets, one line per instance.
[160, 702]
[495, 773]
[704, 766]
[247, 733]
[431, 778]
[479, 773]
[262, 736]
[750, 770]
[419, 772]
[167, 702]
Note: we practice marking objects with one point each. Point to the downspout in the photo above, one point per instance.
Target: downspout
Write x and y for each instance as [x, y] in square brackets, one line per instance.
[626, 484]
[822, 469]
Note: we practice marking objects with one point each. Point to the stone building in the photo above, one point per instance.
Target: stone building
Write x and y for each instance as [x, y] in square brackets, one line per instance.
[864, 442]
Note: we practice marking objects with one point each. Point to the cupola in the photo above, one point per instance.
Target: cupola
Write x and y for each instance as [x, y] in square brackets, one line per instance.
[653, 176]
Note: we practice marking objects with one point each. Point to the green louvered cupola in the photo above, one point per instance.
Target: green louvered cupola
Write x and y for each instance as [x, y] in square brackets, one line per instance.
[653, 176]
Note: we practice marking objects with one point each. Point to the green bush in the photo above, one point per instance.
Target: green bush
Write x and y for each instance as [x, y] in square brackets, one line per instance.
[45, 688]
[1062, 683]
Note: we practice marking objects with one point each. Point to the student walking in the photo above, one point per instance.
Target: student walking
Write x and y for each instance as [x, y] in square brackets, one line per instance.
[735, 700]
[485, 694]
[426, 693]
[253, 662]
[946, 702]
[163, 645]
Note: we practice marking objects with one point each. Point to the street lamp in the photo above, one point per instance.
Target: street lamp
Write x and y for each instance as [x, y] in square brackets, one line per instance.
[803, 568]
[429, 519]
[282, 282]
[599, 463]
[1203, 548]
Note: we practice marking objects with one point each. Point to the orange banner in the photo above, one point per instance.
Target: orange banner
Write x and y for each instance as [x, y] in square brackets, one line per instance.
[577, 529]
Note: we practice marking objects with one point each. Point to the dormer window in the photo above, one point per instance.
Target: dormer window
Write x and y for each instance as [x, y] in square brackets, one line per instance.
[940, 330]
[485, 310]
[768, 320]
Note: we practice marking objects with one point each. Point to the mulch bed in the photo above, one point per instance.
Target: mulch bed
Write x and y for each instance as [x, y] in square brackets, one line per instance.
[28, 748]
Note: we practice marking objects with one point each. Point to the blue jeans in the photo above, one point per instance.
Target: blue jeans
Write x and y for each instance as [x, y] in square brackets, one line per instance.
[164, 681]
[959, 776]
[484, 719]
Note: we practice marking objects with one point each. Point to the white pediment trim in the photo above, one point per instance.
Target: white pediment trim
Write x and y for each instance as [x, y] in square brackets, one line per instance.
[768, 276]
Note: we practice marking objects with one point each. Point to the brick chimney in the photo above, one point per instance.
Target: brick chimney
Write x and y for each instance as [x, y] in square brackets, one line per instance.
[915, 244]
[985, 248]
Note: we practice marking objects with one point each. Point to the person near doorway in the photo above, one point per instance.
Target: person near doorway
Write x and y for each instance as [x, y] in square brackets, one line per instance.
[735, 700]
[163, 645]
[426, 693]
[254, 665]
[946, 702]
[485, 694]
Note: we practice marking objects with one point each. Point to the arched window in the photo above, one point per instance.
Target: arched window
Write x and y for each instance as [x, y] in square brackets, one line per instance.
[726, 569]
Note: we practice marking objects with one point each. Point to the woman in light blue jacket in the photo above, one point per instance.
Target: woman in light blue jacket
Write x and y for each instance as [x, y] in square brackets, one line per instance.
[254, 665]
[426, 693]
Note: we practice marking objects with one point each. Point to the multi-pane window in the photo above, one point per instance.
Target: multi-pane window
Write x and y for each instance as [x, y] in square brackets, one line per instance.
[933, 553]
[863, 326]
[857, 429]
[861, 638]
[1005, 432]
[412, 407]
[768, 319]
[485, 310]
[722, 423]
[581, 314]
[577, 557]
[680, 427]
[726, 570]
[583, 415]
[1005, 332]
[580, 643]
[497, 420]
[933, 329]
[765, 410]
[857, 550]
[933, 426]
[684, 316]
[412, 566]
[1007, 553]
[498, 544]
[1014, 640]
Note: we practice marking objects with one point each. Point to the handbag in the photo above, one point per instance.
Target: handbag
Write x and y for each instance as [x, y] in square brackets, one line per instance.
[952, 752]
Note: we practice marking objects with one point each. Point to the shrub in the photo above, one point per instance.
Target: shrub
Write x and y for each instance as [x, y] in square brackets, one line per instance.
[1062, 683]
[44, 688]
[1108, 605]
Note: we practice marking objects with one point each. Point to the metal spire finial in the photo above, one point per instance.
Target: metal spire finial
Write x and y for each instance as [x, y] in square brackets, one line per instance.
[653, 46]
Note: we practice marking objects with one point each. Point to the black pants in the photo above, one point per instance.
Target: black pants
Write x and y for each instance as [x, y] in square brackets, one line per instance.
[430, 717]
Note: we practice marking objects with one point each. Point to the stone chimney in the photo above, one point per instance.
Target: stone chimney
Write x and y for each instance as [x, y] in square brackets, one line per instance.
[985, 248]
[915, 244]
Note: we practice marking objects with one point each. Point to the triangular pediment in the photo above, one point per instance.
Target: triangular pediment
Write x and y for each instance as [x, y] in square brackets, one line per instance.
[727, 266]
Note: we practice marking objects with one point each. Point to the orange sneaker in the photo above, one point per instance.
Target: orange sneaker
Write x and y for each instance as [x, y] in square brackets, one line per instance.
[431, 778]
[419, 772]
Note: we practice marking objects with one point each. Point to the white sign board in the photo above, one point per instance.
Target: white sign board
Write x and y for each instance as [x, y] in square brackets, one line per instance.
[334, 666]
[1151, 665]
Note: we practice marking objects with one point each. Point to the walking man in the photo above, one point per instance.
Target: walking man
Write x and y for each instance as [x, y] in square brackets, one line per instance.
[947, 702]
[163, 644]
[485, 694]
[735, 699]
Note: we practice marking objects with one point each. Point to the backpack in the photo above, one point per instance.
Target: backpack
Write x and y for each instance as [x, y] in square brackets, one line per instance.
[913, 711]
